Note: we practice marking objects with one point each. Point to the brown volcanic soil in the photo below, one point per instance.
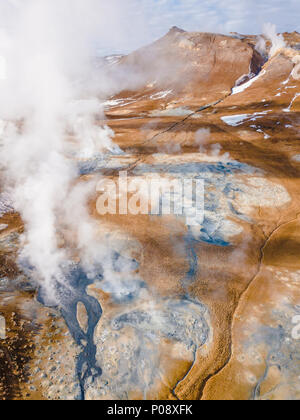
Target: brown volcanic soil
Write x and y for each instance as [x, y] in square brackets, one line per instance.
[223, 282]
[250, 286]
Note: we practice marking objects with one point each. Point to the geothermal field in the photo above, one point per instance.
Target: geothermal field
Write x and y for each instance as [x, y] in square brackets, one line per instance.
[111, 289]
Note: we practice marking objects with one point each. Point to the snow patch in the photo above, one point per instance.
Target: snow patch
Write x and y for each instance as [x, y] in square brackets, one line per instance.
[243, 87]
[235, 120]
[6, 205]
[113, 59]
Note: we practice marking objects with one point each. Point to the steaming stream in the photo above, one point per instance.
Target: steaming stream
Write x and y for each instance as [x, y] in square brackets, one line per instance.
[72, 292]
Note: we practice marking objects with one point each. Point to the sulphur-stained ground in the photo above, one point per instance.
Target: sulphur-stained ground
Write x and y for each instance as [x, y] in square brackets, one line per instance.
[206, 310]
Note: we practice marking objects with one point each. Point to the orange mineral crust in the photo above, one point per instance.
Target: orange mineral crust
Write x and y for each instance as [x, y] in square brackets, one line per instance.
[175, 310]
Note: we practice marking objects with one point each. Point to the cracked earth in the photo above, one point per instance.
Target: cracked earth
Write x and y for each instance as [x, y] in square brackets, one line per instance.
[196, 312]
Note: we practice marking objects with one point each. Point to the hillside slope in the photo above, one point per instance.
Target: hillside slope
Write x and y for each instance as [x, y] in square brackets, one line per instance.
[201, 311]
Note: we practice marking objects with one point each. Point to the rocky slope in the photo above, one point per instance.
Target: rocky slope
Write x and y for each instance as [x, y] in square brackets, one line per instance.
[195, 312]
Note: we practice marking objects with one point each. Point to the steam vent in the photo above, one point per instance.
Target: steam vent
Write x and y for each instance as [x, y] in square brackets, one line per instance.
[111, 289]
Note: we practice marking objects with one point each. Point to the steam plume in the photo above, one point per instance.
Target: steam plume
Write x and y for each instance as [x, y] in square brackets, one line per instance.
[269, 31]
[46, 49]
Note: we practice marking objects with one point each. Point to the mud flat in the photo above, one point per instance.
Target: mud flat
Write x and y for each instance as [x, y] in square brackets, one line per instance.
[178, 311]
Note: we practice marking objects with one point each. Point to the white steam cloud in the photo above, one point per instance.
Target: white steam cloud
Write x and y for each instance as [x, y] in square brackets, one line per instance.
[48, 120]
[270, 32]
[261, 46]
[202, 138]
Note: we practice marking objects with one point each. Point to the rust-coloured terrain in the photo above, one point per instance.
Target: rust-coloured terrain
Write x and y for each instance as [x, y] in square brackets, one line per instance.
[209, 310]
